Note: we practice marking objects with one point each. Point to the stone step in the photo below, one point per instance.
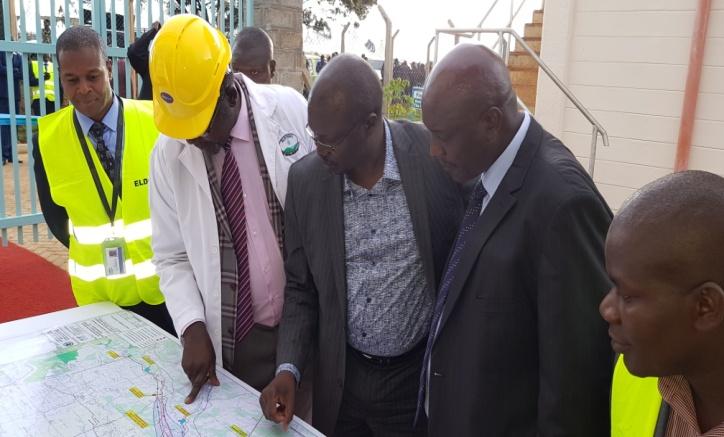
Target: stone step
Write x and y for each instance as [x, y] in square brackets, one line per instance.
[538, 16]
[533, 43]
[533, 30]
[524, 76]
[521, 59]
[527, 93]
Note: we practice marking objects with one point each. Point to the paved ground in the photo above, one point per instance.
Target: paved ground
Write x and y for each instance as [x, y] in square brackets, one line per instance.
[48, 248]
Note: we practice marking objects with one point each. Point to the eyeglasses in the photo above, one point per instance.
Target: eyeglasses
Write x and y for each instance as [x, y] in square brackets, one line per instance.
[330, 147]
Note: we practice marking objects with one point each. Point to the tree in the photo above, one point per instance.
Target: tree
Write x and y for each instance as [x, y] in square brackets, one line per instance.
[397, 101]
[319, 13]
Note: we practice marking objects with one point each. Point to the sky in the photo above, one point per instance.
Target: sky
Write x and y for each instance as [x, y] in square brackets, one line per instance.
[417, 21]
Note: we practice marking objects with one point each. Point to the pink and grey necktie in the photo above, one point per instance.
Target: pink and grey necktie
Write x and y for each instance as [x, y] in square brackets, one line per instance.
[232, 194]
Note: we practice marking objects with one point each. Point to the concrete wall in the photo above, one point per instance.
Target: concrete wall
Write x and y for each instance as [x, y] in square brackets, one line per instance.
[282, 20]
[627, 61]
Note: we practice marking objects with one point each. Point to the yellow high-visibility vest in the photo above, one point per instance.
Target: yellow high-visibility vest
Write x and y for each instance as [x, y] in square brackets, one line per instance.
[72, 187]
[48, 85]
[635, 403]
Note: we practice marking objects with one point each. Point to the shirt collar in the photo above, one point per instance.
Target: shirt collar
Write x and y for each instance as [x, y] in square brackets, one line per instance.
[242, 127]
[391, 170]
[110, 120]
[492, 178]
[675, 390]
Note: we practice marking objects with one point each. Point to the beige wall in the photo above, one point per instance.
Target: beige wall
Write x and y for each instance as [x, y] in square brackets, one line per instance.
[627, 61]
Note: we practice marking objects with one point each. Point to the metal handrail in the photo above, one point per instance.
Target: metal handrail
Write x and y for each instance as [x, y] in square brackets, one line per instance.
[490, 9]
[597, 128]
[510, 22]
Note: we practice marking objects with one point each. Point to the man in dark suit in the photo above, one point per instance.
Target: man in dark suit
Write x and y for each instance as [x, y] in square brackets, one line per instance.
[369, 222]
[515, 347]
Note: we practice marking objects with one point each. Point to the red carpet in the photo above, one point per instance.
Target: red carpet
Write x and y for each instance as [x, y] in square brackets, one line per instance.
[30, 285]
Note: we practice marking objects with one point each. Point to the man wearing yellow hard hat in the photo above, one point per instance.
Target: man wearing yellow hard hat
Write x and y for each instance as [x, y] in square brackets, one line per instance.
[217, 191]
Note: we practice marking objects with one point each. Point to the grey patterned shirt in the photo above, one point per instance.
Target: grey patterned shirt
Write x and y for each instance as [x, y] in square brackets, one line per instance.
[389, 303]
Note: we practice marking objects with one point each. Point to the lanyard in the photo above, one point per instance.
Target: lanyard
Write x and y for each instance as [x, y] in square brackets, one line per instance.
[109, 208]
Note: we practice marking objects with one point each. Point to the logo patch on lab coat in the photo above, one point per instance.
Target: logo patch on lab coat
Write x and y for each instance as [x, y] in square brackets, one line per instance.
[289, 144]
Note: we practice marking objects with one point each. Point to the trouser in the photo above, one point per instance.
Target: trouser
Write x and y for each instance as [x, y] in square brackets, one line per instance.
[255, 363]
[5, 139]
[380, 396]
[157, 314]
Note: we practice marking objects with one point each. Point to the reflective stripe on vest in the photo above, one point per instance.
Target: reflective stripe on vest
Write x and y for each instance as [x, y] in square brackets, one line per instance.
[635, 403]
[96, 234]
[48, 85]
[72, 187]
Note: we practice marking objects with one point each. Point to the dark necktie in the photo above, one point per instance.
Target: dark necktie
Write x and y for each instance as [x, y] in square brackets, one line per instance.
[233, 197]
[472, 214]
[104, 155]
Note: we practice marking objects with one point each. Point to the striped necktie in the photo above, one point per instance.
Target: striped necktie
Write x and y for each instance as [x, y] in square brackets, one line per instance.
[104, 155]
[472, 214]
[232, 194]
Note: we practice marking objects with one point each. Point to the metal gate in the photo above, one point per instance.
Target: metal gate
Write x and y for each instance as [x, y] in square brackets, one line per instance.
[29, 30]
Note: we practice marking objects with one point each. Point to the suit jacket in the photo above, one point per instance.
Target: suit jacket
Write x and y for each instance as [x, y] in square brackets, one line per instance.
[315, 302]
[522, 350]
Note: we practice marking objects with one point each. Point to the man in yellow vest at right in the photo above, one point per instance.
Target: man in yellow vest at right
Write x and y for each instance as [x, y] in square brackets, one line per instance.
[91, 167]
[666, 309]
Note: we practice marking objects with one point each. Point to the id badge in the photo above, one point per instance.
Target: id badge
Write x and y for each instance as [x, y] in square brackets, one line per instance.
[114, 259]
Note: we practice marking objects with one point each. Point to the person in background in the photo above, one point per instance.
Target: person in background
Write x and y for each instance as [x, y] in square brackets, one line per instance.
[48, 84]
[16, 71]
[138, 57]
[253, 55]
[320, 64]
[666, 308]
[91, 168]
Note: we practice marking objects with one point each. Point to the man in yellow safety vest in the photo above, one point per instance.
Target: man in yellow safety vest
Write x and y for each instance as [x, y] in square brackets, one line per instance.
[91, 167]
[47, 83]
[666, 309]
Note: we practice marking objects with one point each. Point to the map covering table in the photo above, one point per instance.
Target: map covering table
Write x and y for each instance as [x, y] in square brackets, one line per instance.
[99, 370]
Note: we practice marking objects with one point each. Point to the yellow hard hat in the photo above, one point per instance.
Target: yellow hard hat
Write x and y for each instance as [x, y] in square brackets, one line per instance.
[188, 61]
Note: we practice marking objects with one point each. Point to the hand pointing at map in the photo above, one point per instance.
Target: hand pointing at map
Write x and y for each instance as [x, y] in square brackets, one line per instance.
[199, 359]
[277, 399]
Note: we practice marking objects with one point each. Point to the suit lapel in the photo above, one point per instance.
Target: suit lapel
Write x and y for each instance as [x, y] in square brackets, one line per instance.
[333, 230]
[497, 209]
[410, 166]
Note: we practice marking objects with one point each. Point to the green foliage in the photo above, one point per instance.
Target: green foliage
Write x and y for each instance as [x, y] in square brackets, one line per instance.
[397, 101]
[319, 13]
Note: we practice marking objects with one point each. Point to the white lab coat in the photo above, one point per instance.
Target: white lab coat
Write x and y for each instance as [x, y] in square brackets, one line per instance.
[185, 237]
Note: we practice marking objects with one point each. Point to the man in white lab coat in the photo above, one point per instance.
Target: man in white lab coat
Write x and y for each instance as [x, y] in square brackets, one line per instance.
[217, 188]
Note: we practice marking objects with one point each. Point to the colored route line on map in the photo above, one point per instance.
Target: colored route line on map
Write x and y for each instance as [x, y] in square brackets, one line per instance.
[238, 431]
[183, 410]
[136, 419]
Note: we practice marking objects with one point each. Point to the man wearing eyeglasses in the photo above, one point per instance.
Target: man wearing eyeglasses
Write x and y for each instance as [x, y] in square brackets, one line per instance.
[370, 219]
[217, 189]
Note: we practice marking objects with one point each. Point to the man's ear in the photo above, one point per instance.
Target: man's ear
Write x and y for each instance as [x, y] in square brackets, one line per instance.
[493, 118]
[272, 67]
[231, 92]
[708, 306]
[109, 67]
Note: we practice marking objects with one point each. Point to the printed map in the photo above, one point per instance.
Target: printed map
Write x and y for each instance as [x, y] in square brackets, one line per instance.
[118, 375]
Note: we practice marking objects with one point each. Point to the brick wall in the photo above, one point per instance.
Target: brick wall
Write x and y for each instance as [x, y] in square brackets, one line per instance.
[282, 20]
